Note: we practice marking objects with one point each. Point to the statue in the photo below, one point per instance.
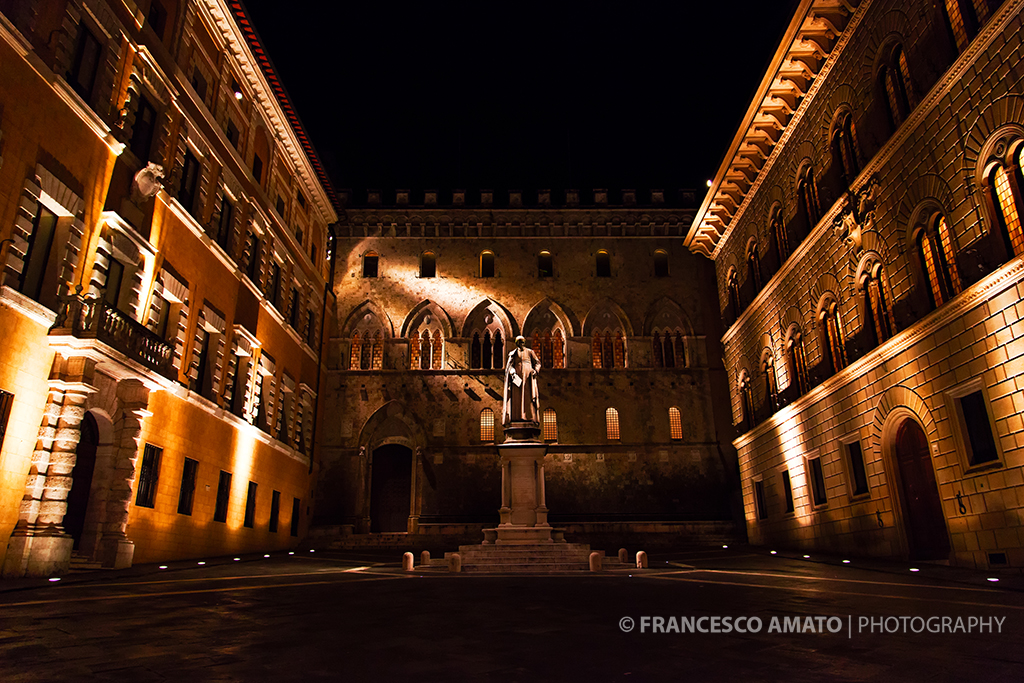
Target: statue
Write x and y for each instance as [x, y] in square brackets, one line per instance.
[147, 182]
[521, 402]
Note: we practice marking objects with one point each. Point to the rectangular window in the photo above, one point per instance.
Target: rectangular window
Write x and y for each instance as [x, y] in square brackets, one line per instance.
[142, 131]
[293, 312]
[199, 83]
[611, 418]
[759, 500]
[39, 248]
[274, 284]
[220, 512]
[6, 401]
[301, 199]
[275, 510]
[201, 383]
[550, 425]
[250, 506]
[149, 473]
[279, 205]
[981, 445]
[252, 267]
[296, 507]
[157, 18]
[188, 486]
[787, 488]
[82, 76]
[232, 133]
[115, 276]
[227, 219]
[817, 481]
[189, 182]
[858, 474]
[257, 169]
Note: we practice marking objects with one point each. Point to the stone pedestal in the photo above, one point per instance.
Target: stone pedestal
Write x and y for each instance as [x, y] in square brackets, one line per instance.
[35, 551]
[523, 513]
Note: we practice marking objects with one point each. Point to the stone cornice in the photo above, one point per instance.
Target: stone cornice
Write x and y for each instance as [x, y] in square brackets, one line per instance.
[878, 162]
[983, 290]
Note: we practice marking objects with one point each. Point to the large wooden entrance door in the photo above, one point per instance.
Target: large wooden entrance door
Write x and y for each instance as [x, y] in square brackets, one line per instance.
[390, 488]
[922, 508]
[81, 479]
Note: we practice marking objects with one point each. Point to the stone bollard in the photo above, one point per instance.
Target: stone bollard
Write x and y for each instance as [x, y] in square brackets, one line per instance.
[407, 561]
[623, 556]
[595, 562]
[425, 558]
[455, 563]
[641, 560]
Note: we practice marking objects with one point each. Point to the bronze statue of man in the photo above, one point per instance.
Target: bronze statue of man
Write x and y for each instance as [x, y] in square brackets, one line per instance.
[520, 402]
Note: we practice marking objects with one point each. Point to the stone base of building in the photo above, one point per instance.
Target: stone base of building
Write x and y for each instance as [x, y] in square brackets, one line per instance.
[38, 552]
[115, 553]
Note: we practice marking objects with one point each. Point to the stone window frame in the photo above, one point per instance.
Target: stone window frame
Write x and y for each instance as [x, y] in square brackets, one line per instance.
[487, 431]
[753, 261]
[662, 265]
[937, 267]
[843, 146]
[796, 358]
[872, 280]
[43, 188]
[493, 266]
[952, 397]
[779, 233]
[785, 475]
[612, 425]
[549, 427]
[829, 310]
[760, 497]
[428, 262]
[745, 392]
[847, 461]
[808, 459]
[1004, 150]
[365, 265]
[674, 423]
[894, 84]
[806, 187]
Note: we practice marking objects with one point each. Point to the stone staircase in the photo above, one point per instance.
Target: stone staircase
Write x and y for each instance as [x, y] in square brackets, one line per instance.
[532, 558]
[81, 563]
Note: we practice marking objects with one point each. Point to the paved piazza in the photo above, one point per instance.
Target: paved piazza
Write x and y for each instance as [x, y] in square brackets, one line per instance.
[358, 617]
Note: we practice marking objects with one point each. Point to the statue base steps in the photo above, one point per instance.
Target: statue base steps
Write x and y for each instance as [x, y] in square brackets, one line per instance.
[538, 558]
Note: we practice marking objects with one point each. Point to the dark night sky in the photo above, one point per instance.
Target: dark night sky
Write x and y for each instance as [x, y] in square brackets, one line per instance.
[439, 95]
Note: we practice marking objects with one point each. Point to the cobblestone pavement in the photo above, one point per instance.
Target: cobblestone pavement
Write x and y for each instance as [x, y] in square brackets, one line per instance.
[358, 617]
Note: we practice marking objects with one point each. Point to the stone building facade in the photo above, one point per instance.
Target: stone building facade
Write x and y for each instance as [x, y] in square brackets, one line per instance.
[163, 234]
[431, 293]
[865, 229]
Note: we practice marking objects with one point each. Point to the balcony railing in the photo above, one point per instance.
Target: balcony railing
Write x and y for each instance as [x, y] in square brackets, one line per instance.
[93, 318]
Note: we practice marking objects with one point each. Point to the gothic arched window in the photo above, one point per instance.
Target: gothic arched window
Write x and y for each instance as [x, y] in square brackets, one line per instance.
[833, 342]
[611, 424]
[777, 227]
[938, 259]
[753, 266]
[1003, 192]
[876, 303]
[844, 148]
[797, 360]
[965, 17]
[807, 196]
[895, 83]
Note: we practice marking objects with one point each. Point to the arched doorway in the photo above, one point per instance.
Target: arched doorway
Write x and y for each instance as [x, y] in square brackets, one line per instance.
[919, 495]
[81, 483]
[390, 488]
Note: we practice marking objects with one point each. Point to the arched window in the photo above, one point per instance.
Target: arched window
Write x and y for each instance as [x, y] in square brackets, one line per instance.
[675, 423]
[487, 351]
[604, 264]
[608, 349]
[777, 228]
[669, 349]
[1002, 191]
[965, 17]
[487, 425]
[844, 148]
[833, 341]
[896, 84]
[367, 352]
[733, 287]
[938, 259]
[753, 265]
[807, 195]
[428, 264]
[660, 263]
[370, 264]
[876, 303]
[549, 346]
[746, 398]
[771, 384]
[611, 424]
[487, 264]
[549, 426]
[545, 264]
[797, 360]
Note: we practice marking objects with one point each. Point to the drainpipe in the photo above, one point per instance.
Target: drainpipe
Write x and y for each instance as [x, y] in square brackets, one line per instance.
[331, 246]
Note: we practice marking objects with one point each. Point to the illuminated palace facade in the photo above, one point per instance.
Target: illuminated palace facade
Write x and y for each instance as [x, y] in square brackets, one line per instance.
[164, 227]
[433, 290]
[865, 228]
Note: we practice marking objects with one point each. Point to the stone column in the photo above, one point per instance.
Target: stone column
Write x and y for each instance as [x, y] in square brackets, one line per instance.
[39, 546]
[413, 526]
[115, 550]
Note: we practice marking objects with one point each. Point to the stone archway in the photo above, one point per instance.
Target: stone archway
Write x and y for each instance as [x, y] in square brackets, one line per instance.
[913, 488]
[391, 488]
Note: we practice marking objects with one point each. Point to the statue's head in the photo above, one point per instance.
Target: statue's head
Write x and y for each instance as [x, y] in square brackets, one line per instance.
[521, 341]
